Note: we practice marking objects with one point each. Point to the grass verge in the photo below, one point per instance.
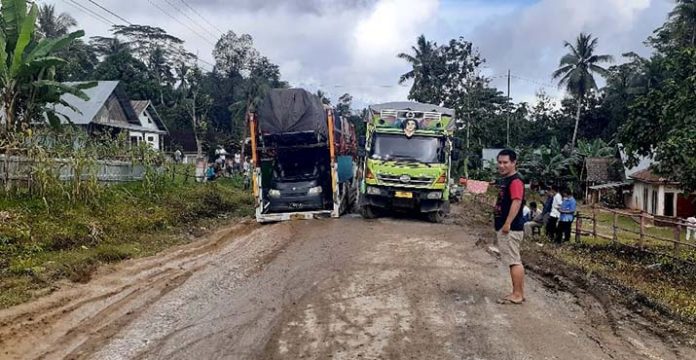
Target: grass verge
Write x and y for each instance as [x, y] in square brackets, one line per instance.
[42, 242]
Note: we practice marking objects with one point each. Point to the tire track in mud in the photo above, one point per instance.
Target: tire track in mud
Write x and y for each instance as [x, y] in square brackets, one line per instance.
[53, 326]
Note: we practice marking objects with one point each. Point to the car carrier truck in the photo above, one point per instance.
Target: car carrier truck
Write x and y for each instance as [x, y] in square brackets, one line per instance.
[407, 160]
[303, 158]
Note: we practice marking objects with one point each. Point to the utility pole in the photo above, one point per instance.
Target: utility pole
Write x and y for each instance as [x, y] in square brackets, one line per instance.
[508, 115]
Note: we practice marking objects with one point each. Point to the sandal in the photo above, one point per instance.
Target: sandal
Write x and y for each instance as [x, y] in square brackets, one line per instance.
[507, 301]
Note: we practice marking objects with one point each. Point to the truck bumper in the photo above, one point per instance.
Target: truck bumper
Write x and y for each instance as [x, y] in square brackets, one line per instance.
[418, 202]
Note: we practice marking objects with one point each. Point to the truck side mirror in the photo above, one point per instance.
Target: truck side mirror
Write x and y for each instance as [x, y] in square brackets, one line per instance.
[456, 155]
[457, 143]
[362, 152]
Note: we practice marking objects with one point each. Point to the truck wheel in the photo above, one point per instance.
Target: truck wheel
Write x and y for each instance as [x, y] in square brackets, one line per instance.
[436, 217]
[368, 212]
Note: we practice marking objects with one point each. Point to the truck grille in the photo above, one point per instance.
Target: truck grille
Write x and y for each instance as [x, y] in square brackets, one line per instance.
[398, 180]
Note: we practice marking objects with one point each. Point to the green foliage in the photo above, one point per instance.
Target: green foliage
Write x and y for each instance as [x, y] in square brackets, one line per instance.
[70, 241]
[28, 67]
[576, 72]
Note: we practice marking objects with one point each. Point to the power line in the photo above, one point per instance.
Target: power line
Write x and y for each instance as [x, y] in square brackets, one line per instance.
[202, 17]
[171, 47]
[111, 12]
[190, 18]
[89, 11]
[179, 21]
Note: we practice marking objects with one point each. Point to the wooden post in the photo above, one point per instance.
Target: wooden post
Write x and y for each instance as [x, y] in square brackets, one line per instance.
[615, 228]
[578, 228]
[594, 221]
[677, 239]
[641, 241]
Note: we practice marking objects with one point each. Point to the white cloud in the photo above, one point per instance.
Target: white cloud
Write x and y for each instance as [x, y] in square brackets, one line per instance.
[351, 46]
[529, 41]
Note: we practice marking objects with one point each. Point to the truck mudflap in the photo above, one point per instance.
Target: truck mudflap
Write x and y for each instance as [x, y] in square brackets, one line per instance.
[288, 216]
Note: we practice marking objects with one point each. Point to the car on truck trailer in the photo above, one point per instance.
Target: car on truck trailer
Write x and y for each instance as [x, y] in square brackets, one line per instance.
[303, 158]
[407, 160]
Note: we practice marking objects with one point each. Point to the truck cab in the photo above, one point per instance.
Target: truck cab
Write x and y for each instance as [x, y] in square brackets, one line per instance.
[408, 160]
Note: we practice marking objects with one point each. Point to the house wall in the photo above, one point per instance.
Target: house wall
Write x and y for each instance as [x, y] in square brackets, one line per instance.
[111, 112]
[654, 202]
[154, 140]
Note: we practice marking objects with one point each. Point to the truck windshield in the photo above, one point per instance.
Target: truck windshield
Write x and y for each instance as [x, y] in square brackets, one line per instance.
[398, 147]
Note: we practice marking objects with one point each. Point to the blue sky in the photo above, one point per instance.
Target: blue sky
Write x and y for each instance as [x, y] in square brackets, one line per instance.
[351, 45]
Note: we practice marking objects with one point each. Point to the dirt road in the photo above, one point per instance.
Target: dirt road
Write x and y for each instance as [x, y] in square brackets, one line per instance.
[330, 289]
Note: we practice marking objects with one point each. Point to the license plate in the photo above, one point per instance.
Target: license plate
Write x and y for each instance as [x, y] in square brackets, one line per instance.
[404, 195]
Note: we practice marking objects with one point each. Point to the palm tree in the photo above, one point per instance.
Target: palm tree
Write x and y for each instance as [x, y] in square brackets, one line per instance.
[685, 14]
[106, 46]
[52, 26]
[576, 72]
[423, 63]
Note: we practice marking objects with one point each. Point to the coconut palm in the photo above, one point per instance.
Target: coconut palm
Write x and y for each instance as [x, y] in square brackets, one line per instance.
[685, 14]
[52, 26]
[106, 46]
[424, 63]
[576, 72]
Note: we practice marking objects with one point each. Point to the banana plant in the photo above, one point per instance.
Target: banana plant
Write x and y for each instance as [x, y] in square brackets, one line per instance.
[27, 70]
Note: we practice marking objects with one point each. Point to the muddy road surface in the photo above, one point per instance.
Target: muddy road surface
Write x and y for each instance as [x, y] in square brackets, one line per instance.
[326, 289]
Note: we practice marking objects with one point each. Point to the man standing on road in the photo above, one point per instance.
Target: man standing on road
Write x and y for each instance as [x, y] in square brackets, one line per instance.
[509, 223]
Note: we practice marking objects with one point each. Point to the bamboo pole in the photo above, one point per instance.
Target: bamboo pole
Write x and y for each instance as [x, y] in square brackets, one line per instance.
[615, 228]
[594, 220]
[641, 241]
[677, 240]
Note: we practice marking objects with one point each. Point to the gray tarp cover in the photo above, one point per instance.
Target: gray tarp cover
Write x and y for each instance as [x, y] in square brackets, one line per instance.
[291, 111]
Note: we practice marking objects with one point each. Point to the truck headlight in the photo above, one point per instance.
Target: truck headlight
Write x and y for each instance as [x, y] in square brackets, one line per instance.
[274, 193]
[315, 190]
[435, 195]
[371, 190]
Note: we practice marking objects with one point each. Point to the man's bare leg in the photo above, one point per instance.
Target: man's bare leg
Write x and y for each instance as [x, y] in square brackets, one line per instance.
[517, 275]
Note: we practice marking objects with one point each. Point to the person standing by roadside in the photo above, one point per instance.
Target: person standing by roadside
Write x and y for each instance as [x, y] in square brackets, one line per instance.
[565, 223]
[509, 223]
[555, 214]
[690, 228]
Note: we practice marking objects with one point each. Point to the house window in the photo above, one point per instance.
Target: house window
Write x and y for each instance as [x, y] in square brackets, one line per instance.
[645, 200]
[134, 140]
[151, 139]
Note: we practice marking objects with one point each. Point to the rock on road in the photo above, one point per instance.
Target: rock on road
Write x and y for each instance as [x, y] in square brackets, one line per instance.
[325, 289]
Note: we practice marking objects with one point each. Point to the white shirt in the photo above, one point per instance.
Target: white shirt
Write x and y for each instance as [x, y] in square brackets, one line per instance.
[237, 158]
[526, 210]
[556, 206]
[691, 222]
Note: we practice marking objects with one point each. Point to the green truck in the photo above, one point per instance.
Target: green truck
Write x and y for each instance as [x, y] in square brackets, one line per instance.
[407, 161]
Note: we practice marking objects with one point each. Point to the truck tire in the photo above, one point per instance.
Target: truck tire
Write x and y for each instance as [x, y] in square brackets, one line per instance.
[436, 217]
[368, 212]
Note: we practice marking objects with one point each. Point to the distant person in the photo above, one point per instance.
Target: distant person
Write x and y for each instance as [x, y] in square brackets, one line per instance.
[509, 224]
[690, 228]
[237, 162]
[565, 223]
[221, 155]
[210, 174]
[536, 220]
[554, 213]
[178, 156]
